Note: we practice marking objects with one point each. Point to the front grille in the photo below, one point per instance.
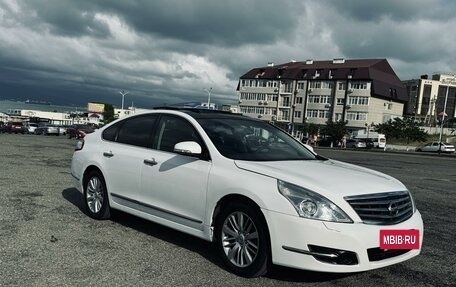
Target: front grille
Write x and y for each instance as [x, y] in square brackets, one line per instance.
[377, 254]
[382, 208]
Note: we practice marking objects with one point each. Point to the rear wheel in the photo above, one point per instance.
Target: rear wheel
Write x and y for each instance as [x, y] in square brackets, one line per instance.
[242, 240]
[96, 196]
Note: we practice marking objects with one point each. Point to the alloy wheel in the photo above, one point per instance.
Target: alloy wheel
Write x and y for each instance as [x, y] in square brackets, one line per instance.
[240, 239]
[94, 194]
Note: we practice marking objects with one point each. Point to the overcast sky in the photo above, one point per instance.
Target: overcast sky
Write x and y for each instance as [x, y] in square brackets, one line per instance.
[74, 51]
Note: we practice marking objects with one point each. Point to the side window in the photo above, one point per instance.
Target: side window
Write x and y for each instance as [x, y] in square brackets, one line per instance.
[137, 131]
[110, 133]
[173, 130]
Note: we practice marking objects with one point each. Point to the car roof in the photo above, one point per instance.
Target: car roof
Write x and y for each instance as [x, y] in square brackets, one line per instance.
[206, 113]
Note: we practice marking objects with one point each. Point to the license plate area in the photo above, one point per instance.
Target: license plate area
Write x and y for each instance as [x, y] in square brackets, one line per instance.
[399, 239]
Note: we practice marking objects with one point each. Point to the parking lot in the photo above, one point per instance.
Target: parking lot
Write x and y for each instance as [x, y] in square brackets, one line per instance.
[47, 240]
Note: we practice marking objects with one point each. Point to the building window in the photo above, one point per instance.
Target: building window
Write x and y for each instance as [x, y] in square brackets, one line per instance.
[272, 84]
[286, 102]
[287, 87]
[319, 99]
[284, 115]
[356, 116]
[259, 110]
[314, 99]
[358, 85]
[340, 101]
[322, 114]
[341, 86]
[338, 117]
[297, 114]
[325, 99]
[312, 113]
[315, 85]
[301, 85]
[327, 84]
[270, 111]
[358, 100]
[299, 100]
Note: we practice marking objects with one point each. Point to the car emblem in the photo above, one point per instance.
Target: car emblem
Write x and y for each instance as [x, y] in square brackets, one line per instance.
[393, 209]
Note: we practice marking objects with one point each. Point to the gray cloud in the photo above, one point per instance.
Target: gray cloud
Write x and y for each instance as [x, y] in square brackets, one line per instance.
[168, 51]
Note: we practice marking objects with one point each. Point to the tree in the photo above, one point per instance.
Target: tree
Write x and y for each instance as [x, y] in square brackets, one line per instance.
[311, 128]
[335, 130]
[405, 128]
[108, 113]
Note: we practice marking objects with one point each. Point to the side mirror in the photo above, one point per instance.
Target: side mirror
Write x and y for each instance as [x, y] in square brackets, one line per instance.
[188, 148]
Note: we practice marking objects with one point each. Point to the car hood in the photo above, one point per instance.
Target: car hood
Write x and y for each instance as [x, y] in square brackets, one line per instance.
[328, 177]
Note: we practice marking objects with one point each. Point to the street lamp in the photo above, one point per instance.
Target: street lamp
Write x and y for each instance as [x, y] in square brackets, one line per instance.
[208, 98]
[123, 93]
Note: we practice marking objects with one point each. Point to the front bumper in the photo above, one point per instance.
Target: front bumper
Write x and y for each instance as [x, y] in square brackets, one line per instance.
[292, 235]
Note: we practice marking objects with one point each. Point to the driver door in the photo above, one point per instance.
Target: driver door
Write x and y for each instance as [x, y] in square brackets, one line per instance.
[175, 185]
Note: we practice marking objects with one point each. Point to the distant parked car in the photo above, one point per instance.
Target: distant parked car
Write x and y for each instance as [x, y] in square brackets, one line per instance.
[63, 130]
[15, 127]
[2, 127]
[47, 130]
[30, 127]
[369, 143]
[434, 147]
[79, 131]
[356, 143]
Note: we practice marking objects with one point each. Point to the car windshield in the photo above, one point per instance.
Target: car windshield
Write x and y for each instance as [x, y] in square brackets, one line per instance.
[245, 139]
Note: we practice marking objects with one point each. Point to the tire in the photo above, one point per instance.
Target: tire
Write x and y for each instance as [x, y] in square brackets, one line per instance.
[96, 196]
[419, 150]
[243, 252]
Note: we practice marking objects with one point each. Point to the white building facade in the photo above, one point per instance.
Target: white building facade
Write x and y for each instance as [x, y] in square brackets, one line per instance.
[427, 97]
[363, 92]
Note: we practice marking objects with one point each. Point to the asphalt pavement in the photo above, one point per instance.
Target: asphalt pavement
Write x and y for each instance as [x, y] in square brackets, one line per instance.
[47, 240]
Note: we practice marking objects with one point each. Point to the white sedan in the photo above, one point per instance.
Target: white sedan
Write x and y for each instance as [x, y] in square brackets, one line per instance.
[436, 147]
[259, 194]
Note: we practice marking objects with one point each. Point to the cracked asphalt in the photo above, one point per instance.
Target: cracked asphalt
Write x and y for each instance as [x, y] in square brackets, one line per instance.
[47, 240]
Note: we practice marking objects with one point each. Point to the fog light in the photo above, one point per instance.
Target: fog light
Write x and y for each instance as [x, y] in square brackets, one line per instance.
[308, 207]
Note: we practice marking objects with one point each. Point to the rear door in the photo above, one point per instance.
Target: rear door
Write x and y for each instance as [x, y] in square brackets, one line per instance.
[125, 145]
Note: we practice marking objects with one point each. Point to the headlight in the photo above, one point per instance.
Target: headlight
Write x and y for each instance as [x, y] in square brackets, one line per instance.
[311, 205]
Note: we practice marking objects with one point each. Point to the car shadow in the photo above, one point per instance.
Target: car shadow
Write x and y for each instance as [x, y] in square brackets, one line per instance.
[197, 245]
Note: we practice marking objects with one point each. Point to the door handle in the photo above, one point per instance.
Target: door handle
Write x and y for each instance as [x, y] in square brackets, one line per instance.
[150, 161]
[108, 154]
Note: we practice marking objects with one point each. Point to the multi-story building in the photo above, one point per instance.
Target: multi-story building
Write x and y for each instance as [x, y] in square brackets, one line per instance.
[363, 92]
[427, 97]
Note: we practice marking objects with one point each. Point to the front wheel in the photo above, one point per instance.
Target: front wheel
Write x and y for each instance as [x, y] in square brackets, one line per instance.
[96, 196]
[242, 240]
